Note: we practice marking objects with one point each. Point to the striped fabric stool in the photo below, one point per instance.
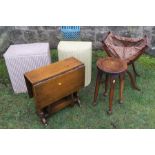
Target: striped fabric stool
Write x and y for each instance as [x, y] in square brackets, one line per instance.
[81, 50]
[22, 58]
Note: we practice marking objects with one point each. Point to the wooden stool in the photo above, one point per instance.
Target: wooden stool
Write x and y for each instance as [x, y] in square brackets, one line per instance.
[112, 67]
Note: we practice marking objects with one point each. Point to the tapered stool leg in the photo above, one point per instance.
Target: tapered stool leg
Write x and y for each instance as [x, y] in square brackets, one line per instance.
[106, 85]
[112, 87]
[134, 69]
[132, 79]
[121, 86]
[98, 79]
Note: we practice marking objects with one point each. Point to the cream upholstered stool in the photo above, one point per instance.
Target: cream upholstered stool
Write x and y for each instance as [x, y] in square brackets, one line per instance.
[81, 50]
[22, 58]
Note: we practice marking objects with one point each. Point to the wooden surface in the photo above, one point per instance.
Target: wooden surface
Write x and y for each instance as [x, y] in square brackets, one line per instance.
[53, 89]
[60, 104]
[54, 86]
[130, 60]
[51, 70]
[111, 65]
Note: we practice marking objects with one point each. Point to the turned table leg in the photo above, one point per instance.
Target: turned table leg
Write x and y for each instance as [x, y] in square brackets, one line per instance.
[112, 87]
[77, 99]
[106, 85]
[98, 79]
[121, 85]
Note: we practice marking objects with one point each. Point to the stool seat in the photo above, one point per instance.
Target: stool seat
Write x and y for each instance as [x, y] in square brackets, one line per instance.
[112, 65]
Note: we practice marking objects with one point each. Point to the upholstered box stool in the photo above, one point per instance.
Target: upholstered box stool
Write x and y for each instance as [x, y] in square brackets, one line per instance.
[81, 50]
[22, 58]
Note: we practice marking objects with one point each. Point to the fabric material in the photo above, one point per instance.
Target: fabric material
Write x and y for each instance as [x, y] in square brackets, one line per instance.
[123, 47]
[23, 58]
[27, 49]
[81, 50]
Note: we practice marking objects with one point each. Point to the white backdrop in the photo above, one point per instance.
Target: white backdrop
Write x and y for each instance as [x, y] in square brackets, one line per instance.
[82, 13]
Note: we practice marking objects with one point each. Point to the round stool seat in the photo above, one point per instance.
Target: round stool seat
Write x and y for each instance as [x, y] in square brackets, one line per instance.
[112, 65]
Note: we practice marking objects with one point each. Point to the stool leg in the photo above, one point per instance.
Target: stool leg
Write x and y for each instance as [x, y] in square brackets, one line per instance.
[121, 86]
[112, 87]
[132, 79]
[134, 69]
[98, 80]
[106, 85]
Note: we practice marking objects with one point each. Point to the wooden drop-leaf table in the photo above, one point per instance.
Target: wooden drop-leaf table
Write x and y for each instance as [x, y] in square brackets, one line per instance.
[55, 86]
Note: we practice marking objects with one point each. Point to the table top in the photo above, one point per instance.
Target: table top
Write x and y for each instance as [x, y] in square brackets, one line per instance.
[112, 65]
[51, 70]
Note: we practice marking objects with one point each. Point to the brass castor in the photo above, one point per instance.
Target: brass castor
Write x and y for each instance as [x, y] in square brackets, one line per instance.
[44, 121]
[42, 118]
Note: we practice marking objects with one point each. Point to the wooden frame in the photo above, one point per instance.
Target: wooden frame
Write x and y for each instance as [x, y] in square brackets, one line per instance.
[129, 61]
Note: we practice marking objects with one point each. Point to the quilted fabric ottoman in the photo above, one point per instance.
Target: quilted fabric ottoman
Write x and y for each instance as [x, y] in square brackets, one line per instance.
[81, 50]
[22, 58]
